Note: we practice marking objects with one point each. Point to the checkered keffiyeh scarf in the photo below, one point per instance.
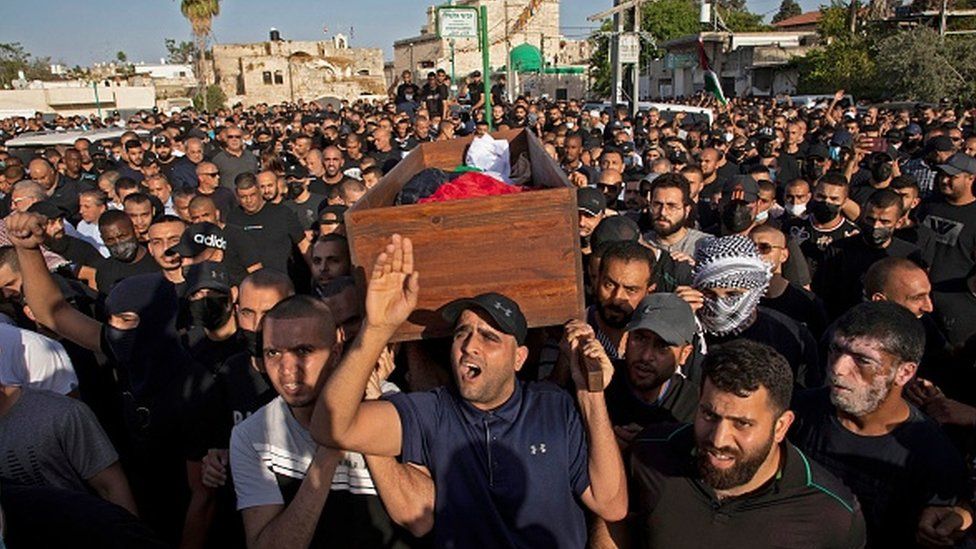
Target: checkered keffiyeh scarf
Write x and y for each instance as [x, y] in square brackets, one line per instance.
[729, 262]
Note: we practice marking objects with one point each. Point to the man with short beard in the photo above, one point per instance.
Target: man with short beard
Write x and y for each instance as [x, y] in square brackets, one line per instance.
[625, 279]
[670, 206]
[900, 465]
[731, 479]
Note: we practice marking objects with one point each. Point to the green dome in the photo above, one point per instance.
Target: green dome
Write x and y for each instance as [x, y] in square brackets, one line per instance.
[526, 58]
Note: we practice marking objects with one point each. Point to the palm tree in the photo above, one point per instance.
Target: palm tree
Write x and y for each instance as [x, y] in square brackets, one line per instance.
[200, 14]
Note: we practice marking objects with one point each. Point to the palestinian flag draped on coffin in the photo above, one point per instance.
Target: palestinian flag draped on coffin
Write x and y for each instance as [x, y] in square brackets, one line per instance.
[711, 79]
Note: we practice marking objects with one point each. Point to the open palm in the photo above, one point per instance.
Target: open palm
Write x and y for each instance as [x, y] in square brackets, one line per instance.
[393, 285]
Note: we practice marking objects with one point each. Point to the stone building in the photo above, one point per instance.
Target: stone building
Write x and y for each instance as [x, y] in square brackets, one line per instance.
[511, 24]
[292, 70]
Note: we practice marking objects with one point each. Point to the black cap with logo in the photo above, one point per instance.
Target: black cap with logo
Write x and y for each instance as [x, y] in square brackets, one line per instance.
[505, 312]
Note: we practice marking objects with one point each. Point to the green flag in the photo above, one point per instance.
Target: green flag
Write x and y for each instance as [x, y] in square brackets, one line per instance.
[712, 84]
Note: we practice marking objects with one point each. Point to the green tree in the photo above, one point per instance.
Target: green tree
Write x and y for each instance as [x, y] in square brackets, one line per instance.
[919, 65]
[122, 57]
[845, 63]
[200, 14]
[787, 9]
[213, 100]
[662, 20]
[14, 59]
[743, 21]
[180, 52]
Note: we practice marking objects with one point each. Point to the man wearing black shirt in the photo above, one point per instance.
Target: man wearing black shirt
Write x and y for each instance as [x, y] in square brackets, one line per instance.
[782, 295]
[179, 171]
[407, 91]
[435, 96]
[825, 223]
[839, 280]
[909, 229]
[209, 186]
[730, 279]
[305, 204]
[126, 256]
[131, 165]
[273, 228]
[218, 241]
[731, 479]
[499, 93]
[653, 384]
[898, 463]
[953, 218]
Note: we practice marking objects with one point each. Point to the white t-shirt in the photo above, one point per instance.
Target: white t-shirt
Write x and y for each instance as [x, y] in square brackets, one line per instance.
[28, 359]
[271, 442]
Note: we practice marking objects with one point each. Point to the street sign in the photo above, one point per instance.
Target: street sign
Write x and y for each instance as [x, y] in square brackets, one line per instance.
[457, 22]
[629, 48]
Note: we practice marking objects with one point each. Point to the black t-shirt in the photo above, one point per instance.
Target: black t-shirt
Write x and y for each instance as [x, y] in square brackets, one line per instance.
[790, 338]
[475, 91]
[274, 230]
[498, 94]
[434, 98]
[109, 271]
[955, 310]
[678, 402]
[403, 89]
[307, 212]
[802, 306]
[839, 280]
[813, 241]
[955, 236]
[224, 199]
[893, 476]
[921, 236]
[803, 505]
[239, 255]
[65, 197]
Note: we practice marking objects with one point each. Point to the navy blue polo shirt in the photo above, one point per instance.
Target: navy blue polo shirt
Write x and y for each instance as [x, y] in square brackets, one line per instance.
[511, 477]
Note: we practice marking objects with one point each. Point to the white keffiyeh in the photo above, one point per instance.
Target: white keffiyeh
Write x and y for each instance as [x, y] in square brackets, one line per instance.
[729, 262]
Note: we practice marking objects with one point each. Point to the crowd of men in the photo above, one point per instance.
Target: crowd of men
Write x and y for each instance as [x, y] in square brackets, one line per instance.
[782, 305]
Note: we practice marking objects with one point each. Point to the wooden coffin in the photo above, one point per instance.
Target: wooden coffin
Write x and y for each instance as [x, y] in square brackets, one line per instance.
[523, 245]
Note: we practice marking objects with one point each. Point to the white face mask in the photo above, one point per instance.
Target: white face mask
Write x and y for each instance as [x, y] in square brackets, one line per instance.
[729, 136]
[761, 217]
[797, 210]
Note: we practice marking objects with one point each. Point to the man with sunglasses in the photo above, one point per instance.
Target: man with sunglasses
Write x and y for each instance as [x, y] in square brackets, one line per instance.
[234, 159]
[209, 176]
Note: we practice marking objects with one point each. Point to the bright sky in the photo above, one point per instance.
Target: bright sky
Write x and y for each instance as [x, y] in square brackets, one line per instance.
[94, 30]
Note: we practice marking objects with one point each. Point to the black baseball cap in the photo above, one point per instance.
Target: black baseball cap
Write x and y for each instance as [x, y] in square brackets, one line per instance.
[941, 143]
[48, 209]
[197, 238]
[617, 228]
[590, 200]
[818, 150]
[745, 183]
[206, 275]
[957, 163]
[506, 313]
[667, 315]
[336, 209]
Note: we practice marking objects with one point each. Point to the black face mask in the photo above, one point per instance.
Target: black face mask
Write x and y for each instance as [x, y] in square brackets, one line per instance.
[124, 251]
[295, 189]
[737, 216]
[812, 170]
[876, 236]
[252, 342]
[211, 311]
[121, 344]
[822, 211]
[881, 171]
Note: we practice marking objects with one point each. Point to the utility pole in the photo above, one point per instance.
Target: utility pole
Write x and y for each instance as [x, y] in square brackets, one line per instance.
[942, 18]
[636, 68]
[615, 67]
[508, 58]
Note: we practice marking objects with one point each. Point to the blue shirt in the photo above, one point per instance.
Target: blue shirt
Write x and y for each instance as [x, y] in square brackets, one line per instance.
[511, 477]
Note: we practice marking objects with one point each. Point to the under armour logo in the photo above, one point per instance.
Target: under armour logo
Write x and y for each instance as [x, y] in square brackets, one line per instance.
[500, 307]
[540, 449]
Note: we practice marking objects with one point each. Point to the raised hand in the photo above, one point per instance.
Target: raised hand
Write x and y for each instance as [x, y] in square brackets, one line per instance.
[26, 230]
[585, 353]
[393, 286]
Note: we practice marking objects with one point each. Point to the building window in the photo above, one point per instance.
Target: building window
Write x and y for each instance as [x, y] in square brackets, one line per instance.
[267, 78]
[363, 72]
[279, 78]
[182, 74]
